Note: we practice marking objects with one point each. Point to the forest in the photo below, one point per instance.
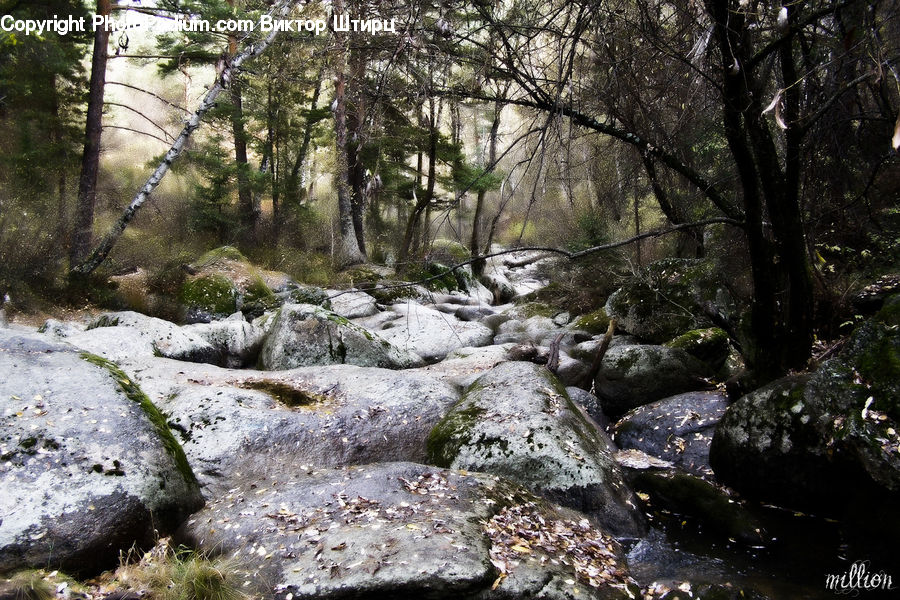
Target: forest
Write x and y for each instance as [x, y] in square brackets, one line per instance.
[645, 251]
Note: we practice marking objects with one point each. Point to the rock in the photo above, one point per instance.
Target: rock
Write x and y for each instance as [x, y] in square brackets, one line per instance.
[87, 464]
[590, 403]
[209, 297]
[712, 346]
[826, 441]
[352, 304]
[238, 424]
[472, 313]
[670, 297]
[571, 371]
[596, 322]
[517, 421]
[677, 429]
[464, 365]
[306, 294]
[403, 530]
[237, 341]
[305, 335]
[631, 376]
[123, 335]
[679, 495]
[431, 334]
[495, 280]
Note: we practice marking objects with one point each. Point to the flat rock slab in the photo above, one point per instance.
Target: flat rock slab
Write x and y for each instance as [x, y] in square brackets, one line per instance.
[677, 429]
[400, 530]
[127, 335]
[87, 467]
[432, 334]
[517, 421]
[238, 424]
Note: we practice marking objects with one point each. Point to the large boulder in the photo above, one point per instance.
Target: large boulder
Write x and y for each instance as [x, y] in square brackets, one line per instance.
[403, 530]
[237, 341]
[517, 421]
[634, 375]
[670, 297]
[677, 429]
[304, 335]
[822, 441]
[352, 304]
[239, 424]
[88, 467]
[127, 334]
[432, 334]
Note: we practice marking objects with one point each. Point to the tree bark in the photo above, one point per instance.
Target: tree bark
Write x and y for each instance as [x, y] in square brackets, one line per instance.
[356, 122]
[90, 158]
[249, 214]
[475, 241]
[348, 251]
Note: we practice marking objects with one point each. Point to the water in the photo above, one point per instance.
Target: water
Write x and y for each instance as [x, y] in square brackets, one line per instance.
[795, 566]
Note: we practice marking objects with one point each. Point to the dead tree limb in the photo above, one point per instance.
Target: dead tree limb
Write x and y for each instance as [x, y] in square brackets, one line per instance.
[597, 363]
[252, 50]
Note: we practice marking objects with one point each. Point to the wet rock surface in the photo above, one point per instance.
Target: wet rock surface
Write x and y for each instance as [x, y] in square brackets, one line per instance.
[677, 429]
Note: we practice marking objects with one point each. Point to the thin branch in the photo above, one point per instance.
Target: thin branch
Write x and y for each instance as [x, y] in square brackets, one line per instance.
[142, 115]
[149, 93]
[152, 135]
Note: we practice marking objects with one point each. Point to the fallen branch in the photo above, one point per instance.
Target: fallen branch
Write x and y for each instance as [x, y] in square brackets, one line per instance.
[565, 253]
[589, 377]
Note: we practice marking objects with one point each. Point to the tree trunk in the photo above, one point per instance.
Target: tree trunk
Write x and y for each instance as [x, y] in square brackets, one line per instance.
[348, 251]
[424, 202]
[475, 241]
[356, 122]
[781, 315]
[295, 188]
[249, 213]
[90, 158]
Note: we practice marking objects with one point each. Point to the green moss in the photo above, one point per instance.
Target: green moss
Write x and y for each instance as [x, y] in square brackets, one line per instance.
[310, 295]
[213, 293]
[596, 322]
[135, 394]
[451, 433]
[284, 392]
[104, 321]
[890, 312]
[450, 249]
[534, 309]
[220, 254]
[709, 345]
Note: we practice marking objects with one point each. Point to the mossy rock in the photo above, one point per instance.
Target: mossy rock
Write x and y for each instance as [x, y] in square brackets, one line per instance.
[134, 393]
[215, 294]
[218, 255]
[533, 309]
[709, 345]
[445, 250]
[670, 297]
[890, 311]
[596, 322]
[307, 294]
